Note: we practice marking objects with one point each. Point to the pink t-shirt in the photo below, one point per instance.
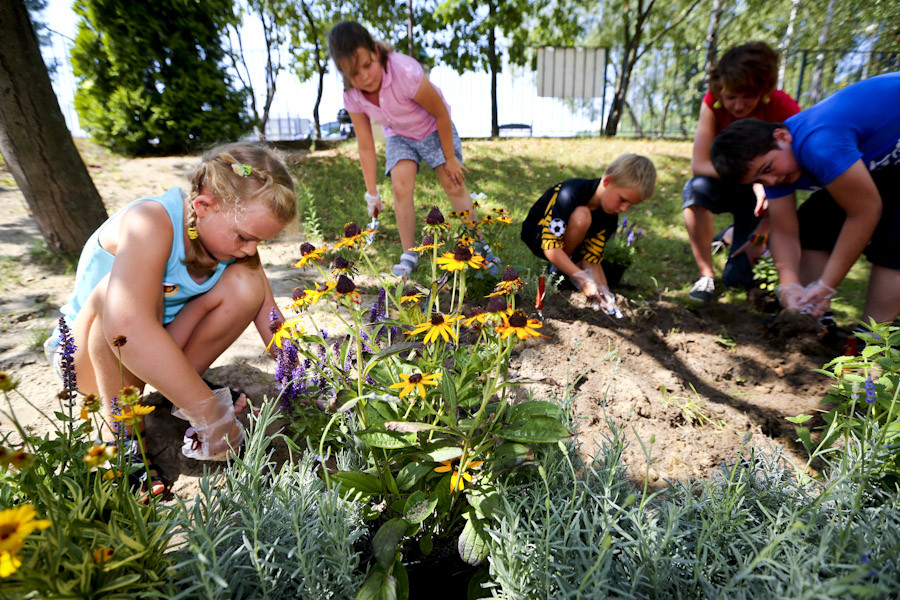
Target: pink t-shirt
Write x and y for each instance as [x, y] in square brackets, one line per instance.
[397, 112]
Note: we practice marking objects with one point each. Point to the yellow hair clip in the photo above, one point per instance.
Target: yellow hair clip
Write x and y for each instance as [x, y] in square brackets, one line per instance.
[242, 169]
[193, 233]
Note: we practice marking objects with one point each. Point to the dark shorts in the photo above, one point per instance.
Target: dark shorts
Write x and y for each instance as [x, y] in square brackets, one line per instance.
[399, 148]
[821, 220]
[740, 201]
[531, 235]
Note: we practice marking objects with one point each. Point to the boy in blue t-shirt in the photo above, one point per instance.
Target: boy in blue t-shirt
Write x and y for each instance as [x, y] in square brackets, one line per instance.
[848, 148]
[571, 222]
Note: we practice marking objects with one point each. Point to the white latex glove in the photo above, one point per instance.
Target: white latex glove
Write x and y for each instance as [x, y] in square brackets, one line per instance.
[607, 300]
[816, 298]
[373, 204]
[584, 281]
[214, 432]
[789, 295]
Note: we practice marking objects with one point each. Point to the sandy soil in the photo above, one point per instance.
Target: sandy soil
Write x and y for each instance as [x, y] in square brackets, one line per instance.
[704, 382]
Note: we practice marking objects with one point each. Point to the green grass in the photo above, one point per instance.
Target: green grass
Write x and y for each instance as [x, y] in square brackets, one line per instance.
[514, 173]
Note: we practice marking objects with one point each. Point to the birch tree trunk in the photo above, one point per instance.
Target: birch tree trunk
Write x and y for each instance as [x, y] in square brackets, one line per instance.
[819, 70]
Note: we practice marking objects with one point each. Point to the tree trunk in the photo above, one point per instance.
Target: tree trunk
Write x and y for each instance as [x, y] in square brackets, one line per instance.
[492, 58]
[637, 126]
[819, 70]
[712, 38]
[786, 41]
[409, 28]
[629, 57]
[37, 144]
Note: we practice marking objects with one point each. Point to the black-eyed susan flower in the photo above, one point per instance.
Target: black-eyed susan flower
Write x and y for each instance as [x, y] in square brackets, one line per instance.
[133, 414]
[466, 240]
[309, 253]
[476, 318]
[345, 288]
[411, 296]
[101, 555]
[518, 323]
[439, 325]
[510, 283]
[9, 563]
[354, 236]
[320, 292]
[415, 383]
[460, 259]
[285, 330]
[129, 395]
[434, 220]
[428, 244]
[300, 301]
[16, 524]
[456, 479]
[7, 383]
[89, 404]
[461, 214]
[488, 220]
[497, 309]
[342, 266]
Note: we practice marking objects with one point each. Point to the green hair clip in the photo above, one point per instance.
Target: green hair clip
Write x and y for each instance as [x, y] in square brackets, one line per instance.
[242, 169]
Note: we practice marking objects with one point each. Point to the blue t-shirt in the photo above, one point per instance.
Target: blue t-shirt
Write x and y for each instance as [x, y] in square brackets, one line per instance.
[177, 286]
[861, 121]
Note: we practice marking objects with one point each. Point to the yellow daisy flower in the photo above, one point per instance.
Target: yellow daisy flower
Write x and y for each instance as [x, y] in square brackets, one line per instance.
[411, 297]
[286, 330]
[353, 236]
[9, 563]
[415, 383]
[309, 254]
[467, 240]
[133, 414]
[461, 214]
[518, 323]
[345, 288]
[476, 316]
[99, 454]
[129, 395]
[302, 299]
[428, 244]
[456, 480]
[439, 325]
[510, 283]
[16, 524]
[460, 259]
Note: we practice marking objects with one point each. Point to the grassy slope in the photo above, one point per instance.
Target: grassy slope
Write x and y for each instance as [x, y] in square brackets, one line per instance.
[514, 173]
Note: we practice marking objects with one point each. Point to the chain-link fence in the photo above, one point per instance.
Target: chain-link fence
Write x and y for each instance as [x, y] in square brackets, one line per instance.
[663, 99]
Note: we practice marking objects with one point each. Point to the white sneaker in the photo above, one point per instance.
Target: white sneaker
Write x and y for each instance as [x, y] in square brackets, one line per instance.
[703, 289]
[408, 263]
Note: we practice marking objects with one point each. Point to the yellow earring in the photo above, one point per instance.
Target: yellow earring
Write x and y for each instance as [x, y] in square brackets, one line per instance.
[766, 99]
[193, 233]
[717, 104]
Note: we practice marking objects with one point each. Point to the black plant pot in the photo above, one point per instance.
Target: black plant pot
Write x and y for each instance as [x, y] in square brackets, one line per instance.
[613, 272]
[440, 575]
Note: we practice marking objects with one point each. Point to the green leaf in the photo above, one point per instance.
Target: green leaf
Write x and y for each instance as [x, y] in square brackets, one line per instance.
[409, 426]
[362, 483]
[378, 436]
[411, 473]
[803, 436]
[448, 390]
[536, 430]
[419, 507]
[442, 451]
[799, 419]
[389, 351]
[118, 583]
[473, 542]
[426, 544]
[526, 410]
[378, 586]
[386, 540]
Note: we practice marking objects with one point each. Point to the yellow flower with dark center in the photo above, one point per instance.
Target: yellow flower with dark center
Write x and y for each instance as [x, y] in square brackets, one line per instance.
[411, 297]
[497, 309]
[129, 395]
[353, 236]
[467, 240]
[345, 288]
[9, 563]
[321, 291]
[16, 524]
[460, 259]
[101, 555]
[133, 414]
[510, 283]
[476, 316]
[428, 244]
[488, 220]
[439, 325]
[518, 323]
[461, 214]
[287, 330]
[504, 220]
[342, 266]
[415, 383]
[7, 383]
[302, 299]
[309, 254]
[456, 480]
[99, 454]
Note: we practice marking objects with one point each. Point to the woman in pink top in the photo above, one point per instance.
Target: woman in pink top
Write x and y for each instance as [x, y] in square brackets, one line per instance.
[391, 89]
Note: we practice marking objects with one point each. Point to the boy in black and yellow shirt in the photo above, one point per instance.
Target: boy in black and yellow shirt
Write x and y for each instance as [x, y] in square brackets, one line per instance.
[570, 224]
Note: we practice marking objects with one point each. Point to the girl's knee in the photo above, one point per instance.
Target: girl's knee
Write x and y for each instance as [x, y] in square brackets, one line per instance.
[241, 286]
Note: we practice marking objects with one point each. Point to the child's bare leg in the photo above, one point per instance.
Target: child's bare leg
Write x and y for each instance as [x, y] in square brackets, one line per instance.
[576, 229]
[812, 264]
[701, 231]
[403, 182]
[883, 296]
[457, 193]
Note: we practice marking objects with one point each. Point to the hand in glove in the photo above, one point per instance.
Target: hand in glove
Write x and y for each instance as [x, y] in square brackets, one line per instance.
[584, 281]
[214, 431]
[789, 295]
[373, 204]
[816, 298]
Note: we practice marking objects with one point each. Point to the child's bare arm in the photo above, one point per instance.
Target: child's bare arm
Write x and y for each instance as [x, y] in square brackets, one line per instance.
[133, 304]
[784, 239]
[262, 318]
[428, 98]
[701, 163]
[856, 193]
[365, 142]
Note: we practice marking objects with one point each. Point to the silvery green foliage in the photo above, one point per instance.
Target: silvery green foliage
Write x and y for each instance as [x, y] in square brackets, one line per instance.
[755, 530]
[261, 530]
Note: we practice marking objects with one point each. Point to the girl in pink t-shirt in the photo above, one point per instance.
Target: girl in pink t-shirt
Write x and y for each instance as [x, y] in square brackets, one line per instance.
[391, 89]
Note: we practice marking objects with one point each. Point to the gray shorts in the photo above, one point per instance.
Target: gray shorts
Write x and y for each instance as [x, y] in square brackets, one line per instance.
[399, 148]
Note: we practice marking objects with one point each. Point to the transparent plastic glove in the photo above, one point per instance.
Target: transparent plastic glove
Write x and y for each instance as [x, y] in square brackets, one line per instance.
[789, 295]
[584, 281]
[608, 302]
[214, 432]
[816, 298]
[373, 204]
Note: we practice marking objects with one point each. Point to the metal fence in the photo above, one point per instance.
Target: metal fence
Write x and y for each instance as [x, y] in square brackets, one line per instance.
[663, 100]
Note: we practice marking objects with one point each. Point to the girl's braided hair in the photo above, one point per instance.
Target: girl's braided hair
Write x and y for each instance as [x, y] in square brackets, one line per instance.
[238, 173]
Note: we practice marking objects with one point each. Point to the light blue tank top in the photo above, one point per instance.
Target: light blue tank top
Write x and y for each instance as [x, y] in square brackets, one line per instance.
[178, 287]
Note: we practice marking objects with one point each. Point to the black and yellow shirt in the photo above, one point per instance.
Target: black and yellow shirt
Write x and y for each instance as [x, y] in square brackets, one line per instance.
[546, 222]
